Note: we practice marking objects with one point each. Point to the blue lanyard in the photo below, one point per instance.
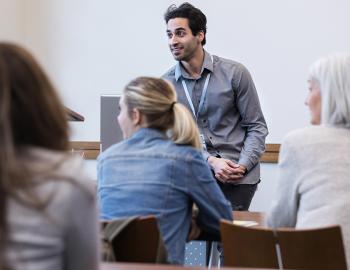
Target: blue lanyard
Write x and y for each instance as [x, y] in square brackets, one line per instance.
[204, 93]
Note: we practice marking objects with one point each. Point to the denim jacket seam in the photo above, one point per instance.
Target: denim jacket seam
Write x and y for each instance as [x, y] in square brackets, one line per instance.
[153, 156]
[209, 195]
[169, 191]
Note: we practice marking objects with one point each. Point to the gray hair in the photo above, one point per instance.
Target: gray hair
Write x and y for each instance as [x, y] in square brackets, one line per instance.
[332, 74]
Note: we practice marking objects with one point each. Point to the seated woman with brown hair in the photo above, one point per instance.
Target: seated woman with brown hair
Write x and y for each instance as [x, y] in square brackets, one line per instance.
[47, 211]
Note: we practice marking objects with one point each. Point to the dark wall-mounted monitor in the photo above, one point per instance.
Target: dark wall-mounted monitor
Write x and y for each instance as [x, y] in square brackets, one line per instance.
[110, 132]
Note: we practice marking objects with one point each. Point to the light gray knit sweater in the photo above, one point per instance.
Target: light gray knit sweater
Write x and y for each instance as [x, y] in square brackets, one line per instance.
[314, 181]
[66, 235]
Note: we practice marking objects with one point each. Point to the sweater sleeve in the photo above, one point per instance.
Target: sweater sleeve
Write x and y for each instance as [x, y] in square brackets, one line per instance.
[82, 243]
[284, 208]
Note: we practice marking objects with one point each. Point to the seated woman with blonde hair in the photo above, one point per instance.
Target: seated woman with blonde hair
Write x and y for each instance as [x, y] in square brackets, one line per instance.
[158, 169]
[48, 217]
[314, 181]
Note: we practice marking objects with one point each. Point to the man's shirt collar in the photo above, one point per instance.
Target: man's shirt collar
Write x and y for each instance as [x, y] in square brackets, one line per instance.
[180, 71]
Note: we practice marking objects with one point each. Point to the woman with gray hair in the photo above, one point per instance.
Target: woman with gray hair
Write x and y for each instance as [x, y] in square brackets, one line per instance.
[314, 181]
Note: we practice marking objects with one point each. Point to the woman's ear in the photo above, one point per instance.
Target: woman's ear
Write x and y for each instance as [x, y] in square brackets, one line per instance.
[136, 117]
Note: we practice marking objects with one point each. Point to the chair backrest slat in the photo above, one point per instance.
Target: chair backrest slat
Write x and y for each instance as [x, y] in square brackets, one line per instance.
[248, 247]
[319, 248]
[139, 241]
[312, 249]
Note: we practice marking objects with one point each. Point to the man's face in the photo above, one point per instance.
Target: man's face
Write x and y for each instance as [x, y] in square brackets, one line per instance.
[182, 43]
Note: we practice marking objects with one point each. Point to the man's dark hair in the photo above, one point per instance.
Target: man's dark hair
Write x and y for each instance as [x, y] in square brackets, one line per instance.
[196, 19]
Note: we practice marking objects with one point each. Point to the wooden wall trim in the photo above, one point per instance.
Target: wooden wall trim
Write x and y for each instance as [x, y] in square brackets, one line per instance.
[271, 153]
[90, 150]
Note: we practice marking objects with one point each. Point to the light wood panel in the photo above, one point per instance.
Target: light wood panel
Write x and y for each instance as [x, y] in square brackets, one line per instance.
[91, 150]
[271, 153]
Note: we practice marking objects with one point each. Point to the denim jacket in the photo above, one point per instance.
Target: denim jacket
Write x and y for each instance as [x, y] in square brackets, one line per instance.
[148, 174]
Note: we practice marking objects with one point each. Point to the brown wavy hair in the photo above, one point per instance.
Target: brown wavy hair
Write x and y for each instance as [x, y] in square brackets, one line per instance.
[31, 115]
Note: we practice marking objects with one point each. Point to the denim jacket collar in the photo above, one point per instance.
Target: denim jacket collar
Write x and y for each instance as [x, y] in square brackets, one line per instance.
[143, 133]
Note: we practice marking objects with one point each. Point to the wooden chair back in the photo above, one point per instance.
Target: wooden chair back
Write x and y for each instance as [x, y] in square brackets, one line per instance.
[138, 242]
[283, 248]
[248, 247]
[320, 248]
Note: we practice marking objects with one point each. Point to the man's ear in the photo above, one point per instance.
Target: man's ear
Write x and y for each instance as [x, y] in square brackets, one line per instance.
[136, 117]
[200, 36]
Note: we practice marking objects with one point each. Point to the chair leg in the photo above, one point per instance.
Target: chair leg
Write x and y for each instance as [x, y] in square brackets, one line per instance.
[208, 252]
[214, 255]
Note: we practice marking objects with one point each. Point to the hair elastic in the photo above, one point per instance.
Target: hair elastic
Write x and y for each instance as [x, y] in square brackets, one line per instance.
[172, 105]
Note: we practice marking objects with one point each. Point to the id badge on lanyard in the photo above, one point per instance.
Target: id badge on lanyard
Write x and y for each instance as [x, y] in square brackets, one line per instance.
[202, 138]
[201, 105]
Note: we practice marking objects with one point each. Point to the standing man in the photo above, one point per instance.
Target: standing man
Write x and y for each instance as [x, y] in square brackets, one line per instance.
[224, 102]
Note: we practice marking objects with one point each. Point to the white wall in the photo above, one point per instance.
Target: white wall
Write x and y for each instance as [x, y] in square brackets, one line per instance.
[94, 47]
[11, 20]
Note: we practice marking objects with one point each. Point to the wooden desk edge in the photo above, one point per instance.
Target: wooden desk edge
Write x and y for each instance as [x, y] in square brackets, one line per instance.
[259, 217]
[144, 266]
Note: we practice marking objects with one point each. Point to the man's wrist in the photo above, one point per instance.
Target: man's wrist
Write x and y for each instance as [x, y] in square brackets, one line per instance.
[244, 168]
[211, 160]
